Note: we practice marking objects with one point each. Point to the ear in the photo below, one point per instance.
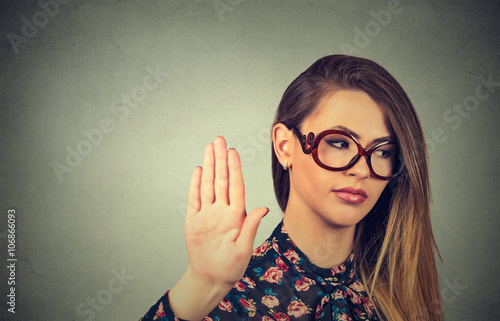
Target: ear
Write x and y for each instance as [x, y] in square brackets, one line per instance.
[283, 142]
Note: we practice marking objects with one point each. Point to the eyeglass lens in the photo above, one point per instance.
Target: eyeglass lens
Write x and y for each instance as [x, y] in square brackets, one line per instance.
[337, 151]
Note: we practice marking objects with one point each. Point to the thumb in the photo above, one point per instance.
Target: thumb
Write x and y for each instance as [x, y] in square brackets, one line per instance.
[250, 226]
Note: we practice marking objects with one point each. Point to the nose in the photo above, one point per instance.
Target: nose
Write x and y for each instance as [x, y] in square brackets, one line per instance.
[360, 168]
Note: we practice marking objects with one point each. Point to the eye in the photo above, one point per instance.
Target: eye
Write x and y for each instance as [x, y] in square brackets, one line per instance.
[383, 153]
[339, 144]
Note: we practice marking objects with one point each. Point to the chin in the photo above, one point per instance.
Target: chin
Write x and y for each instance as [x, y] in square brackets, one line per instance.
[344, 218]
[343, 221]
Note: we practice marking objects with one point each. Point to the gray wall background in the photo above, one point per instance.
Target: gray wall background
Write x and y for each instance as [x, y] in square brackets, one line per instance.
[221, 69]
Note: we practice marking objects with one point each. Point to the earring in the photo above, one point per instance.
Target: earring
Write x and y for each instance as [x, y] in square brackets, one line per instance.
[285, 166]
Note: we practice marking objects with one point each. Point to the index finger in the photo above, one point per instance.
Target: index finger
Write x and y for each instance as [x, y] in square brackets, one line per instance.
[194, 202]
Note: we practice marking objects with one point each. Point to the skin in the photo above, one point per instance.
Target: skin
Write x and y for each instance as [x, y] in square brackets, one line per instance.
[220, 234]
[319, 222]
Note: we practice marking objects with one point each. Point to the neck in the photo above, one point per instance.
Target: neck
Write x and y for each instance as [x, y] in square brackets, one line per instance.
[325, 245]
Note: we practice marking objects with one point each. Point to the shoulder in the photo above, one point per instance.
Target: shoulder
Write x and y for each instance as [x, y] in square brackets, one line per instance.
[264, 253]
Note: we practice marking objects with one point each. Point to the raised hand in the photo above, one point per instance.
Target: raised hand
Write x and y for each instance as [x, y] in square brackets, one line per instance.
[219, 233]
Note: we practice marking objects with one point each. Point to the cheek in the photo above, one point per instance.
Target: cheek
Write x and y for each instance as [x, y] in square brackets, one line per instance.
[312, 179]
[303, 175]
[377, 188]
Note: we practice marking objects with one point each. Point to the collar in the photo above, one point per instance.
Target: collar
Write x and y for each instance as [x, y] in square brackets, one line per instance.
[342, 274]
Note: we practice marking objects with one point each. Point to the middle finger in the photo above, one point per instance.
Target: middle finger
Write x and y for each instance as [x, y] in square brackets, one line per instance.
[221, 182]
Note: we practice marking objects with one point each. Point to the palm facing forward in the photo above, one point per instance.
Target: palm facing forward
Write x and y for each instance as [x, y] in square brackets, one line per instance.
[219, 234]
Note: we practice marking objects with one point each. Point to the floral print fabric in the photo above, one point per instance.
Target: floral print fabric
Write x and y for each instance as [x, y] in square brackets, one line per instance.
[282, 284]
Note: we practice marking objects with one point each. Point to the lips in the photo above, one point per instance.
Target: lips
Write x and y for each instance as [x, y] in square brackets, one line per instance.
[351, 194]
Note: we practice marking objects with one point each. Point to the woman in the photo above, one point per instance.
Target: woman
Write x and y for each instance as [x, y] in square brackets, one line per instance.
[350, 174]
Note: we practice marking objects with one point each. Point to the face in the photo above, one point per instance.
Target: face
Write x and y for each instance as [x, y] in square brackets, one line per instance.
[322, 192]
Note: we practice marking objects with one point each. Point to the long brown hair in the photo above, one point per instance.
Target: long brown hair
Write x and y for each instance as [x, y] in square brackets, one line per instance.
[394, 244]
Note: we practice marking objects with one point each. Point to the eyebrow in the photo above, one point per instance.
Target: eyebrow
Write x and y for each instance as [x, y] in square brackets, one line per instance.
[355, 135]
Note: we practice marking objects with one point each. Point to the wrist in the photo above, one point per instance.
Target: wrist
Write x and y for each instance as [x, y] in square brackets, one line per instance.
[193, 297]
[206, 284]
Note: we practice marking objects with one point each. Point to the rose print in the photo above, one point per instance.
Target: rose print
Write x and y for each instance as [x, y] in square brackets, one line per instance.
[324, 300]
[250, 283]
[280, 316]
[281, 264]
[338, 269]
[338, 294]
[344, 317]
[297, 308]
[276, 247]
[369, 306]
[240, 286]
[292, 256]
[303, 284]
[319, 309]
[225, 305]
[270, 301]
[273, 275]
[249, 306]
[353, 296]
[357, 286]
[160, 311]
[262, 249]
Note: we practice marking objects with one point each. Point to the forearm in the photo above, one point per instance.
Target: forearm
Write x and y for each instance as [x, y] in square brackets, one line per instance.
[192, 298]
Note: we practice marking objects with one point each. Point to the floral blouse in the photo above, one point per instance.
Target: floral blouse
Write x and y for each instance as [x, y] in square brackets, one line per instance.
[282, 284]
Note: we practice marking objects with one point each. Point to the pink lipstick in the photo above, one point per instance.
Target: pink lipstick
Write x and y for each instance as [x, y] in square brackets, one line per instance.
[351, 194]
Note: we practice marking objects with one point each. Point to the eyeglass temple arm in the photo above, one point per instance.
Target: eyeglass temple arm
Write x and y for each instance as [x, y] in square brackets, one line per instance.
[305, 140]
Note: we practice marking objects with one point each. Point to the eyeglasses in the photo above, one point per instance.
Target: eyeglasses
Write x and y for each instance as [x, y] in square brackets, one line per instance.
[336, 150]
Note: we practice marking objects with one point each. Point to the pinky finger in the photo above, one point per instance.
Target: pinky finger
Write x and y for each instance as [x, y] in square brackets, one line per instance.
[194, 202]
